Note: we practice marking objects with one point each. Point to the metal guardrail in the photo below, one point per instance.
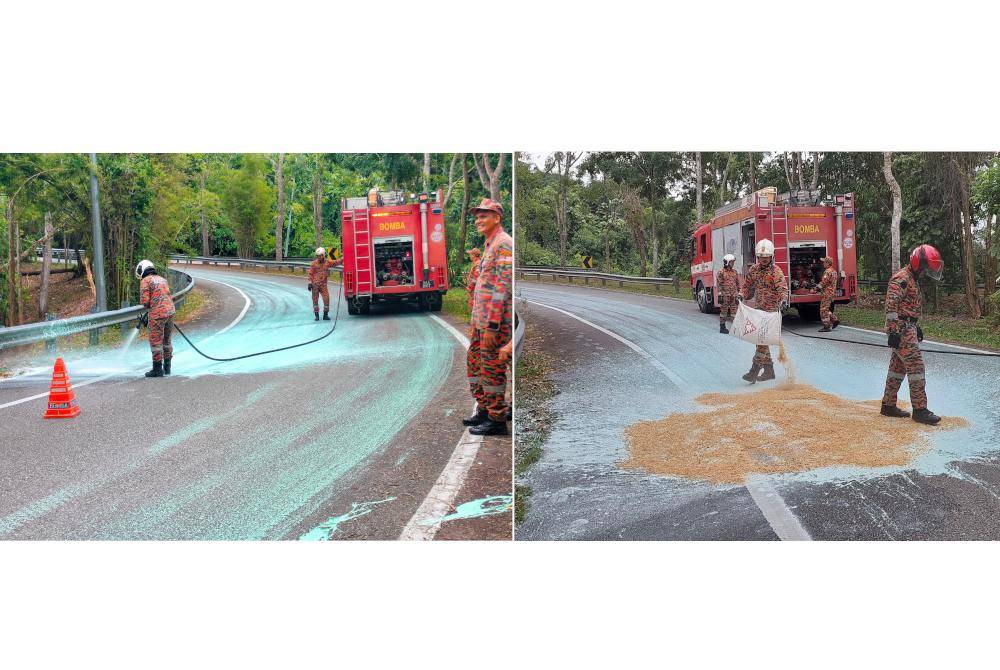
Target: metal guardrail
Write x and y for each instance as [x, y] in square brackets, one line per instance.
[242, 263]
[50, 330]
[603, 277]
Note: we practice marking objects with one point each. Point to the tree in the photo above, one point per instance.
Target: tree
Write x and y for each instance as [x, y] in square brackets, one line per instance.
[489, 176]
[563, 162]
[317, 199]
[279, 182]
[897, 207]
[247, 200]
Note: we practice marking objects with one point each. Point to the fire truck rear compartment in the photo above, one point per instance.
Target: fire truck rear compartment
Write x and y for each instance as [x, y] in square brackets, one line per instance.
[805, 262]
[386, 251]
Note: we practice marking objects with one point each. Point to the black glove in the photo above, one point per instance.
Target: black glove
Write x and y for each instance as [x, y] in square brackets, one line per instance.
[143, 321]
[920, 334]
[310, 287]
[894, 340]
[739, 298]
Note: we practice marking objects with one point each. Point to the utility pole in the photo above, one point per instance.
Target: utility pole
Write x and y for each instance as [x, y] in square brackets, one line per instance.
[97, 252]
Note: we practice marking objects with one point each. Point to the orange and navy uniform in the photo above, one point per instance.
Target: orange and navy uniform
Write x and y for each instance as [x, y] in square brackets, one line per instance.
[766, 284]
[902, 311]
[319, 276]
[154, 294]
[491, 311]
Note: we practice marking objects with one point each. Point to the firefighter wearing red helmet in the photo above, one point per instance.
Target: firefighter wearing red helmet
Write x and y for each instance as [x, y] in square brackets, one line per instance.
[902, 311]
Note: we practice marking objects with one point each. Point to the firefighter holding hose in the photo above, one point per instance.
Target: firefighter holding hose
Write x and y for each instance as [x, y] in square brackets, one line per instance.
[319, 276]
[154, 293]
[766, 282]
[727, 282]
[902, 311]
[491, 324]
[827, 289]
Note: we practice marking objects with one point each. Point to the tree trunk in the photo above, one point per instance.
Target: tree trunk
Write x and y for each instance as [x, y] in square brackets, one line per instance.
[279, 179]
[753, 173]
[451, 181]
[318, 203]
[490, 176]
[561, 223]
[206, 248]
[814, 184]
[897, 207]
[16, 270]
[968, 258]
[465, 200]
[989, 263]
[8, 208]
[43, 293]
[788, 172]
[698, 185]
[427, 171]
[607, 250]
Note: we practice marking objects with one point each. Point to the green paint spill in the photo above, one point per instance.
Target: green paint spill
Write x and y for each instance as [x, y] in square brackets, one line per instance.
[476, 508]
[323, 531]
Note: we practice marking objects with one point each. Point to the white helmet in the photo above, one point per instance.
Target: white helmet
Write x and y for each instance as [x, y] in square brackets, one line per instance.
[142, 267]
[728, 258]
[320, 250]
[765, 248]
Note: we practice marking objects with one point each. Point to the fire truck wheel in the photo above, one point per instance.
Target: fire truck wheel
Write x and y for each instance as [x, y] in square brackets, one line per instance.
[435, 302]
[352, 308]
[702, 295]
[364, 305]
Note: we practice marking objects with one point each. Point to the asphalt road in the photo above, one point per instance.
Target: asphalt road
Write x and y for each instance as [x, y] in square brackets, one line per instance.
[341, 439]
[952, 491]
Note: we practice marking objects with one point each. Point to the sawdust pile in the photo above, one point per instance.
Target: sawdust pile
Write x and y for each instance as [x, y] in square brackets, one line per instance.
[785, 428]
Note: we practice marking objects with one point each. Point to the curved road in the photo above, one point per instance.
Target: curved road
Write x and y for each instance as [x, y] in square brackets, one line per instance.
[344, 438]
[636, 357]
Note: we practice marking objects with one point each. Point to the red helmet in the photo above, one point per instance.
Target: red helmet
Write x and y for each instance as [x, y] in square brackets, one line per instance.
[926, 258]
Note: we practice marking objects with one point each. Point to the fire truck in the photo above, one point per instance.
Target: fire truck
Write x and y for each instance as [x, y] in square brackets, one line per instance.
[394, 250]
[803, 231]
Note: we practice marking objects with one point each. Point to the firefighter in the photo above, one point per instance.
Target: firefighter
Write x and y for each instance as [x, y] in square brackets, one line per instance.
[154, 293]
[765, 281]
[491, 323]
[470, 283]
[319, 275]
[827, 288]
[902, 310]
[727, 283]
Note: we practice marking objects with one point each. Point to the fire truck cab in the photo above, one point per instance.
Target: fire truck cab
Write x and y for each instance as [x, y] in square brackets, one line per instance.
[394, 250]
[803, 231]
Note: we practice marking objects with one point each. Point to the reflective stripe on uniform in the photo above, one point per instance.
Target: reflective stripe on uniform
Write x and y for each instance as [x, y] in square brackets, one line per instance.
[897, 375]
[892, 316]
[493, 389]
[917, 376]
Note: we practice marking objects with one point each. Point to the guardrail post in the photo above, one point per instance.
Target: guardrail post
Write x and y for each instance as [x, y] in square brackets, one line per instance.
[657, 285]
[586, 280]
[621, 284]
[50, 345]
[569, 278]
[125, 324]
[95, 333]
[604, 282]
[677, 286]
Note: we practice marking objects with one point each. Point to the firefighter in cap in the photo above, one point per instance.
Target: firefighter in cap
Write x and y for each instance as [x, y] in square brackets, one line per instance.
[491, 323]
[902, 310]
[727, 283]
[766, 282]
[827, 289]
[319, 275]
[154, 294]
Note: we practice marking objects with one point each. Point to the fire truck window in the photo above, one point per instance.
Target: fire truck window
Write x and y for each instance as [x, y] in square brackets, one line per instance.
[394, 263]
[704, 247]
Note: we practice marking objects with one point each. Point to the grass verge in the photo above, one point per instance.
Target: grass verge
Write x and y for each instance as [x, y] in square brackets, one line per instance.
[456, 303]
[956, 330]
[532, 418]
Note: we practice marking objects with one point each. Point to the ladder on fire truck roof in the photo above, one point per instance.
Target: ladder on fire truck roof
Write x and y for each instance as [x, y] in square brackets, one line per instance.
[362, 252]
[779, 237]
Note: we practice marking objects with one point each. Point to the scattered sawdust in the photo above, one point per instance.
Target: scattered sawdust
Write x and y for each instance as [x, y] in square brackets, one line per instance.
[786, 363]
[785, 428]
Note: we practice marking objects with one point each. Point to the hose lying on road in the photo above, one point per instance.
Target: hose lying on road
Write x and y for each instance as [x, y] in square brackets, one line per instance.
[875, 344]
[336, 316]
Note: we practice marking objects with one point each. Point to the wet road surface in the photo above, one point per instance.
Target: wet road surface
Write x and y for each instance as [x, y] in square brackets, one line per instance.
[343, 438]
[673, 354]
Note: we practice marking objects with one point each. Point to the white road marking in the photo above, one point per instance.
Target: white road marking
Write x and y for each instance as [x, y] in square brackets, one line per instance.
[441, 498]
[671, 375]
[781, 519]
[442, 495]
[246, 307]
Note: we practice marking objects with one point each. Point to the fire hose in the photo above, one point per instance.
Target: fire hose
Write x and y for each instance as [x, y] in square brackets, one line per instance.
[875, 344]
[336, 316]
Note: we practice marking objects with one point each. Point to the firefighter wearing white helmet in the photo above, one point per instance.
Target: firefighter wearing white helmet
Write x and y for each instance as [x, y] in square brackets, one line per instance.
[319, 276]
[727, 285]
[154, 294]
[765, 282]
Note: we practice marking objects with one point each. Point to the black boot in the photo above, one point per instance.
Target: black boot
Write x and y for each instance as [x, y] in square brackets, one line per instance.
[722, 328]
[489, 427]
[316, 314]
[326, 316]
[825, 329]
[477, 418]
[925, 416]
[157, 370]
[767, 374]
[166, 366]
[835, 324]
[752, 375]
[892, 410]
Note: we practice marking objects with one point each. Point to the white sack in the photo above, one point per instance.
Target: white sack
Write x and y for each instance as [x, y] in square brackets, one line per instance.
[756, 326]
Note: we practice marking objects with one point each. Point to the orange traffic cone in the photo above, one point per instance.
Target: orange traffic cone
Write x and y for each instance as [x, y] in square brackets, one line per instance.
[62, 401]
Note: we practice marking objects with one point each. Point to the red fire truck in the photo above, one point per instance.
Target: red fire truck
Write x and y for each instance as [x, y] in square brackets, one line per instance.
[394, 250]
[803, 231]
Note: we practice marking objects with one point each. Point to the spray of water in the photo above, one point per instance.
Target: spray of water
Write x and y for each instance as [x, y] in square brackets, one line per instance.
[134, 332]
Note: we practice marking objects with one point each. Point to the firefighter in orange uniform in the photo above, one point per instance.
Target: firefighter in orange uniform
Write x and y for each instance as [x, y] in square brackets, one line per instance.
[475, 255]
[319, 276]
[902, 311]
[154, 294]
[766, 283]
[727, 283]
[827, 289]
[491, 323]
